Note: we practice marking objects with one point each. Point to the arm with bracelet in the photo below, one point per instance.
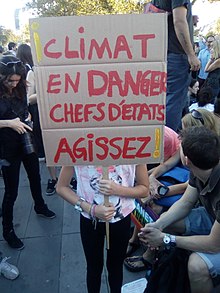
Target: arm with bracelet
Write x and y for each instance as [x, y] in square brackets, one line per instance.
[79, 203]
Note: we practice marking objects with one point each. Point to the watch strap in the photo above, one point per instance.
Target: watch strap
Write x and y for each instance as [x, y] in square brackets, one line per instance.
[173, 240]
[169, 240]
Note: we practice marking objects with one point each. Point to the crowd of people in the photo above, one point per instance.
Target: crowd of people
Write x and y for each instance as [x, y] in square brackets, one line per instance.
[188, 209]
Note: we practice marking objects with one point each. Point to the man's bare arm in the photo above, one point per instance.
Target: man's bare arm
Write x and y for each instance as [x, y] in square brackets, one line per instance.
[182, 31]
[179, 210]
[202, 243]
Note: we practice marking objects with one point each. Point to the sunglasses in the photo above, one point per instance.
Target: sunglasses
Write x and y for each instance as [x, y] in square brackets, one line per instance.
[197, 115]
[11, 63]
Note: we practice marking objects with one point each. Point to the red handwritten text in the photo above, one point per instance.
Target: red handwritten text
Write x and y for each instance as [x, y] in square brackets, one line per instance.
[78, 113]
[148, 83]
[102, 148]
[92, 48]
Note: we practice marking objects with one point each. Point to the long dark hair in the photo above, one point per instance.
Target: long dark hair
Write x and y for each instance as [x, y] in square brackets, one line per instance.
[205, 96]
[24, 54]
[191, 85]
[10, 65]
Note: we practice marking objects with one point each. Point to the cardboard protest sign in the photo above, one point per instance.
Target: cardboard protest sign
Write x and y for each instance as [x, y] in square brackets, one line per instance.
[101, 85]
[72, 40]
[103, 145]
[84, 96]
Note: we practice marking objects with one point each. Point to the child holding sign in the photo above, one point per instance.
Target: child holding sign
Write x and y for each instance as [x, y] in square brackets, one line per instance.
[89, 200]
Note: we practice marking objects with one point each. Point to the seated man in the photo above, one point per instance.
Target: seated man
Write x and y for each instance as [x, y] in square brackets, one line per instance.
[160, 204]
[199, 227]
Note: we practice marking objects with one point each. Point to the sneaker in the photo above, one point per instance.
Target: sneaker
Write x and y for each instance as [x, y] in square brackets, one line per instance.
[41, 159]
[8, 270]
[51, 187]
[3, 162]
[13, 240]
[45, 212]
[73, 184]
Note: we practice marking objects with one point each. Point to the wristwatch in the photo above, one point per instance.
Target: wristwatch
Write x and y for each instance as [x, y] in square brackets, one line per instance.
[169, 240]
[162, 190]
[77, 206]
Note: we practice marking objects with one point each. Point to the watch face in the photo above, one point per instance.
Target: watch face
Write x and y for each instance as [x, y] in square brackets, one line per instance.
[162, 190]
[78, 208]
[166, 239]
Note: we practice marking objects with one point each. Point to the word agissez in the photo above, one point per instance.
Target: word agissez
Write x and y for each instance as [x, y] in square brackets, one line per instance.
[89, 148]
[88, 49]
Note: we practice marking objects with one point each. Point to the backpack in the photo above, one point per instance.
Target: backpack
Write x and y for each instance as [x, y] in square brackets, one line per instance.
[176, 175]
[169, 273]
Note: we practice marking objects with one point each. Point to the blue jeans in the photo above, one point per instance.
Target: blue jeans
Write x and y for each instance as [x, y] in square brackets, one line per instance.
[199, 222]
[178, 80]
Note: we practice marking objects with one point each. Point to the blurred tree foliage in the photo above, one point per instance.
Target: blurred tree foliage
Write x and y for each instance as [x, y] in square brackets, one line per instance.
[6, 36]
[85, 7]
[211, 1]
[78, 7]
[217, 27]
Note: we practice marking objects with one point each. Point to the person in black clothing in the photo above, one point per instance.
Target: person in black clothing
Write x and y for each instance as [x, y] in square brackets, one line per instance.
[17, 145]
[25, 55]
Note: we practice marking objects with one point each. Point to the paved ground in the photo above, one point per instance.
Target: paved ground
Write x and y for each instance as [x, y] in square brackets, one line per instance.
[52, 260]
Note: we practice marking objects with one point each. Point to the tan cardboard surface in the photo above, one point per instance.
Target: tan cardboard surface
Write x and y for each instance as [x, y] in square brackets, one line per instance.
[99, 39]
[101, 85]
[104, 146]
[78, 96]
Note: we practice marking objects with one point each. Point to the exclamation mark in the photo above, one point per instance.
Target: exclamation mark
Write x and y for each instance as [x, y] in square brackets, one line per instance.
[38, 46]
[156, 153]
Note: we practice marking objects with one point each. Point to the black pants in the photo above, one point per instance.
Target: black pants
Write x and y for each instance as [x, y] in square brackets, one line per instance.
[11, 181]
[33, 109]
[93, 245]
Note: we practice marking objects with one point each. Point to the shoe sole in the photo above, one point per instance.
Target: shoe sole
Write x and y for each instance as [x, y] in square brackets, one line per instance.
[41, 160]
[129, 264]
[5, 276]
[43, 216]
[17, 248]
[50, 193]
[20, 248]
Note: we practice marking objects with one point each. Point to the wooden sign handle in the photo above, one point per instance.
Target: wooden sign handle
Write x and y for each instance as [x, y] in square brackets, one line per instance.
[106, 202]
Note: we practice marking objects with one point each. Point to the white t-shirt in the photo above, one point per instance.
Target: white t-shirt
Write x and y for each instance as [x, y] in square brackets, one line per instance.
[87, 182]
[195, 106]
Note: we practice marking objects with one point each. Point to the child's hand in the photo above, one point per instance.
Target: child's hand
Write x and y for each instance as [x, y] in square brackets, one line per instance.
[104, 213]
[107, 187]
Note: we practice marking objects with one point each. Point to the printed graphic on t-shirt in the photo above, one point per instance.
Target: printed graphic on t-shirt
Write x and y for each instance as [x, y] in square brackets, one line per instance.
[88, 180]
